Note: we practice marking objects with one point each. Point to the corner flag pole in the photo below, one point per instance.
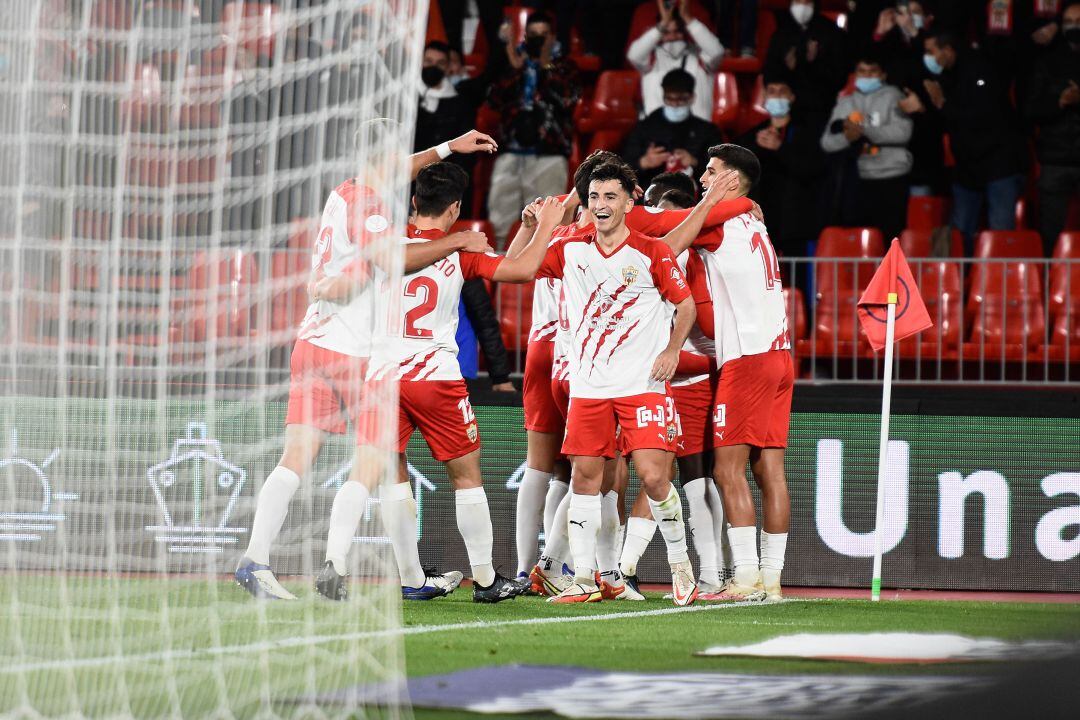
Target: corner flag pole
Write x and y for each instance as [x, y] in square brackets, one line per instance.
[883, 446]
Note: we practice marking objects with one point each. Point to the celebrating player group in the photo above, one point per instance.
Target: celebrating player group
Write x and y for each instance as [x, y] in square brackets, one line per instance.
[659, 338]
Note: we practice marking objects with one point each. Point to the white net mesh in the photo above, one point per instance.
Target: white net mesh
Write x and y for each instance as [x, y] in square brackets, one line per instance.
[163, 166]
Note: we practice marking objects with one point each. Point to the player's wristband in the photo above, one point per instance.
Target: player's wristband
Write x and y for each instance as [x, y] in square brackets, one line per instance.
[444, 151]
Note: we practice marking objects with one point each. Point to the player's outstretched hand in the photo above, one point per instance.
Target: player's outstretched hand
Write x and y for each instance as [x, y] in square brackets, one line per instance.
[472, 142]
[472, 241]
[664, 367]
[551, 212]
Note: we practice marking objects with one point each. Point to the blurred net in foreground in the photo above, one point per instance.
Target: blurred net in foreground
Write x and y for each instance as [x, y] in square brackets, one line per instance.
[159, 162]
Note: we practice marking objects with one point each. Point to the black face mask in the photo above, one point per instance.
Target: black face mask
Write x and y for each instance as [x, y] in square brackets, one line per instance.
[432, 75]
[1072, 36]
[534, 45]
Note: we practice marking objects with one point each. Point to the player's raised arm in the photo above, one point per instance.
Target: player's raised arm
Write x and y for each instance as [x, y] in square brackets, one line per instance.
[523, 268]
[525, 229]
[471, 142]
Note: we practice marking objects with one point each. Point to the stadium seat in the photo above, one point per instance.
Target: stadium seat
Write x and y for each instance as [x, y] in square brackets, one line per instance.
[1008, 244]
[941, 288]
[646, 15]
[289, 271]
[749, 66]
[145, 109]
[926, 212]
[1065, 276]
[515, 314]
[846, 247]
[112, 15]
[614, 103]
[478, 226]
[725, 100]
[836, 324]
[917, 243]
[226, 278]
[1021, 212]
[605, 140]
[752, 113]
[254, 23]
[1007, 326]
[796, 313]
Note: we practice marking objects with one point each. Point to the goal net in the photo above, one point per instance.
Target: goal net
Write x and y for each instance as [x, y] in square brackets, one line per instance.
[163, 167]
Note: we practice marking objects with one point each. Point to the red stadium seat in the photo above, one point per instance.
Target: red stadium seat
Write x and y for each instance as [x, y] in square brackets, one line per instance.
[145, 108]
[725, 100]
[941, 288]
[646, 16]
[1001, 294]
[1008, 244]
[796, 313]
[752, 113]
[847, 246]
[1065, 276]
[254, 23]
[1007, 325]
[222, 282]
[606, 140]
[916, 243]
[836, 323]
[926, 212]
[289, 270]
[614, 103]
[478, 226]
[515, 314]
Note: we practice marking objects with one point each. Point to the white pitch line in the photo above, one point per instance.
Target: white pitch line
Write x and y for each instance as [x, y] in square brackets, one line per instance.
[268, 645]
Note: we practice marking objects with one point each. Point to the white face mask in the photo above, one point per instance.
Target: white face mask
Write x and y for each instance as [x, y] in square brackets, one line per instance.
[674, 48]
[802, 13]
[676, 114]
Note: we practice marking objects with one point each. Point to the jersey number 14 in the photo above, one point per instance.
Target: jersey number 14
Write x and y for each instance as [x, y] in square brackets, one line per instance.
[768, 259]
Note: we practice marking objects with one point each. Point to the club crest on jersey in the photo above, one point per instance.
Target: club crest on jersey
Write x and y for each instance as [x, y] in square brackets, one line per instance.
[629, 274]
[671, 432]
[471, 432]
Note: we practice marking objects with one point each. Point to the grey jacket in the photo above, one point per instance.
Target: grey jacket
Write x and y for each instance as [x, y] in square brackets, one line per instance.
[885, 127]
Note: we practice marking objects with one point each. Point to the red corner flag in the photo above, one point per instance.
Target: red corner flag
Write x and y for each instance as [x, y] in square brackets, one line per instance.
[893, 276]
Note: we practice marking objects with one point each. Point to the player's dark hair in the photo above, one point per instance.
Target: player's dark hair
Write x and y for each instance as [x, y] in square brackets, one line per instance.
[581, 176]
[539, 17]
[942, 38]
[437, 187]
[675, 181]
[677, 81]
[738, 158]
[439, 46]
[678, 198]
[615, 171]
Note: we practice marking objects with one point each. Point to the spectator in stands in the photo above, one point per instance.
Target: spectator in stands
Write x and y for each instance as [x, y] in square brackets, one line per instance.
[535, 97]
[678, 42]
[898, 41]
[869, 128]
[669, 181]
[788, 145]
[671, 138]
[745, 34]
[1054, 104]
[983, 131]
[811, 50]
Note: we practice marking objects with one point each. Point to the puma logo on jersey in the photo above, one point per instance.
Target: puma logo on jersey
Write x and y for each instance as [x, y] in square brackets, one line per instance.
[579, 523]
[583, 268]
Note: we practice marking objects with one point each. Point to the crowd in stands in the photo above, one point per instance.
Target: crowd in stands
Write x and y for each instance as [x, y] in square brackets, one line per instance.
[854, 107]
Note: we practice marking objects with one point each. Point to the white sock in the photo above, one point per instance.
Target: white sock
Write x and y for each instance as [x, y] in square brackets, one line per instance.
[607, 547]
[701, 529]
[639, 533]
[270, 510]
[584, 521]
[773, 547]
[668, 516]
[744, 554]
[557, 490]
[557, 541]
[474, 524]
[716, 507]
[530, 516]
[345, 515]
[399, 518]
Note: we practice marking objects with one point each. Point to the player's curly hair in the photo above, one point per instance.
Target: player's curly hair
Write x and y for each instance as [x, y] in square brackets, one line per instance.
[615, 171]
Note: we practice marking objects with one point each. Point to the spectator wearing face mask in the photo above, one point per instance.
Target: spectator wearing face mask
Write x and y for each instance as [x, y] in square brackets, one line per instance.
[898, 41]
[671, 138]
[679, 41]
[1053, 103]
[792, 167]
[535, 97]
[869, 127]
[983, 131]
[811, 50]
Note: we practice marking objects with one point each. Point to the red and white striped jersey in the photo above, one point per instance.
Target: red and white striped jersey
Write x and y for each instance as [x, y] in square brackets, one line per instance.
[352, 219]
[697, 342]
[421, 321]
[747, 295]
[560, 353]
[545, 310]
[619, 309]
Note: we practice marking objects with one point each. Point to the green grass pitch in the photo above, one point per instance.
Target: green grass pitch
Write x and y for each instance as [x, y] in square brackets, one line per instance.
[440, 636]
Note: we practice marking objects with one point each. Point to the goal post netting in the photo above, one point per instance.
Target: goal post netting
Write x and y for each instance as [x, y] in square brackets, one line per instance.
[163, 168]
